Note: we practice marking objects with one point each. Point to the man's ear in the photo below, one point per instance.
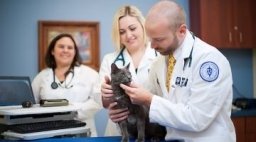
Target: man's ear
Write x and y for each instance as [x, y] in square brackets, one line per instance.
[182, 31]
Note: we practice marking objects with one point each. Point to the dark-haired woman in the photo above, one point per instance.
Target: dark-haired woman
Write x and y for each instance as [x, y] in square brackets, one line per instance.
[66, 78]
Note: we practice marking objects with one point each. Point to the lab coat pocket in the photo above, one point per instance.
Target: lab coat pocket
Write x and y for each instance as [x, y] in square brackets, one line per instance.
[160, 92]
[172, 95]
[182, 94]
[82, 91]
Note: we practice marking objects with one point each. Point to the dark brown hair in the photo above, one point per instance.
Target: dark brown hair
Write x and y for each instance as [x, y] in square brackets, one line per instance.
[49, 58]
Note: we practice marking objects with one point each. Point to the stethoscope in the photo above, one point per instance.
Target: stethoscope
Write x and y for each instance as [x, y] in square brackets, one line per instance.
[55, 85]
[120, 56]
[188, 61]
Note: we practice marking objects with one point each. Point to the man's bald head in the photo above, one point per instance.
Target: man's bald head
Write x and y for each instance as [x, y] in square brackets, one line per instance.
[166, 11]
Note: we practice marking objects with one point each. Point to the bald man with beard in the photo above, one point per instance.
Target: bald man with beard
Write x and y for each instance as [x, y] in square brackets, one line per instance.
[197, 105]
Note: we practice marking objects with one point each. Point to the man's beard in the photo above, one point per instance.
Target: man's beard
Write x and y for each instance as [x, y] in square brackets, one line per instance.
[170, 49]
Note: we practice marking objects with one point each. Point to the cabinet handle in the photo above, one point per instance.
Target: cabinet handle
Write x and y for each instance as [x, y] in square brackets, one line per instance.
[241, 37]
[235, 28]
[230, 37]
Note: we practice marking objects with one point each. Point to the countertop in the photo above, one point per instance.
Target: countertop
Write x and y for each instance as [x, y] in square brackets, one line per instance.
[243, 113]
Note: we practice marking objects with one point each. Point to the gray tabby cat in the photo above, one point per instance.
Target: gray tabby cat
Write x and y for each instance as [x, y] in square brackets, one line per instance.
[137, 125]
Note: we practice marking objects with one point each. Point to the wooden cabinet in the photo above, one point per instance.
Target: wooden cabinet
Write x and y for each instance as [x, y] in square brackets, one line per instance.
[250, 126]
[239, 123]
[224, 24]
[245, 129]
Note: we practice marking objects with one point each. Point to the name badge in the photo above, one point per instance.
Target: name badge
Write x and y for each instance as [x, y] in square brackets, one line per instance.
[181, 81]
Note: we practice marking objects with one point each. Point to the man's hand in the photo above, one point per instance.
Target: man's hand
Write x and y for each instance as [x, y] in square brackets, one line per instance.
[117, 115]
[106, 92]
[137, 94]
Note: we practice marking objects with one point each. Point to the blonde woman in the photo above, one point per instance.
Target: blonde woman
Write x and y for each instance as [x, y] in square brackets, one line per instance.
[132, 46]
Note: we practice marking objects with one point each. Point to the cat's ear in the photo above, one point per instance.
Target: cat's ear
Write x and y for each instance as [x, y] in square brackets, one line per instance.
[127, 67]
[114, 68]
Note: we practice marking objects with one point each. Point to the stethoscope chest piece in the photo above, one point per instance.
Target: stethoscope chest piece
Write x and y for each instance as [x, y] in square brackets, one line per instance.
[54, 85]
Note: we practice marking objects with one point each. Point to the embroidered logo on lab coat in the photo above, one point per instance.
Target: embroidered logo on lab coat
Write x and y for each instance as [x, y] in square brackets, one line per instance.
[209, 71]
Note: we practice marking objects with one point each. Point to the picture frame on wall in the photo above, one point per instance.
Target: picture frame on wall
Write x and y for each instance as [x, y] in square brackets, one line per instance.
[86, 35]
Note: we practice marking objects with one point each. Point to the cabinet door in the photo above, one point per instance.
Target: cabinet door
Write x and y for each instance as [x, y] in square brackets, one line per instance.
[244, 23]
[224, 24]
[250, 129]
[211, 20]
[239, 123]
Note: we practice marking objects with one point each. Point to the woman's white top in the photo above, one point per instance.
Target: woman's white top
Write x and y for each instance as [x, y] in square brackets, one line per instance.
[80, 88]
[140, 77]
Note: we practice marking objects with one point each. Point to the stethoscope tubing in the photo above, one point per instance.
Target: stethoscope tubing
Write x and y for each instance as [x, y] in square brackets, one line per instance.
[120, 56]
[188, 61]
[55, 85]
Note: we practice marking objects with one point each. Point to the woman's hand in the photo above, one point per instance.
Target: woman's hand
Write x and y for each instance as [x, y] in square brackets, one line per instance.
[117, 115]
[106, 92]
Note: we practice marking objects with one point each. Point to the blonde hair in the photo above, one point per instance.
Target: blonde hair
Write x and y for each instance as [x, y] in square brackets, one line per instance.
[122, 12]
